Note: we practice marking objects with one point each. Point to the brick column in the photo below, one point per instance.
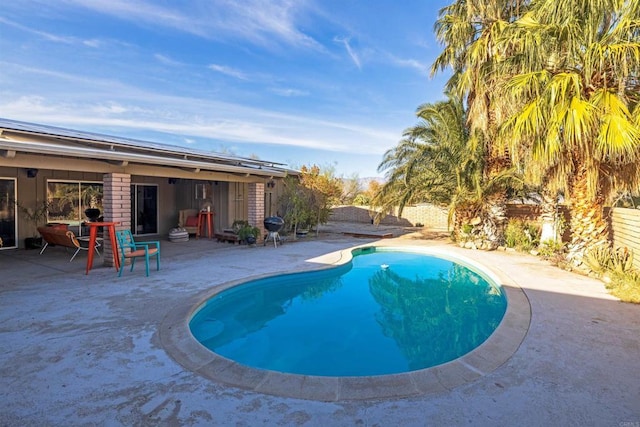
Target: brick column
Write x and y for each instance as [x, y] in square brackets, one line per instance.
[256, 207]
[116, 203]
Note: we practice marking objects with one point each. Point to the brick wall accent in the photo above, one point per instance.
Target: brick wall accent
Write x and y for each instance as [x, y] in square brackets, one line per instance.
[116, 203]
[429, 216]
[256, 206]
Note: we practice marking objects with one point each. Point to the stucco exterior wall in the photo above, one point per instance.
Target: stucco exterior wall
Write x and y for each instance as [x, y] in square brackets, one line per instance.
[427, 215]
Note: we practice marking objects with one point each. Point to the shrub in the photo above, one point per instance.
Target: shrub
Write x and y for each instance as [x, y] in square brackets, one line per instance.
[521, 235]
[604, 259]
[615, 267]
[550, 249]
[554, 252]
[244, 230]
[625, 286]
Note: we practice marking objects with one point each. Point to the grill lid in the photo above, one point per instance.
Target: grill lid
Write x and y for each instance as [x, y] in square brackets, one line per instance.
[273, 223]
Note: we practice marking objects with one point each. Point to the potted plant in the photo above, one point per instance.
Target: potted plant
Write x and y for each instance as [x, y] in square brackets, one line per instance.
[246, 233]
[34, 216]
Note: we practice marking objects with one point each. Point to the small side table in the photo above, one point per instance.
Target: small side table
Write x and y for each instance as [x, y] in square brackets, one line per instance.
[93, 234]
[205, 218]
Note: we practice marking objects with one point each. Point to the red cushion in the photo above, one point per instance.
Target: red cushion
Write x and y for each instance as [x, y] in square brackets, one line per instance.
[192, 221]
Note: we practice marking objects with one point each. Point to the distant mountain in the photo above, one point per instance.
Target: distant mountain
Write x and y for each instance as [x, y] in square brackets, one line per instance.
[367, 180]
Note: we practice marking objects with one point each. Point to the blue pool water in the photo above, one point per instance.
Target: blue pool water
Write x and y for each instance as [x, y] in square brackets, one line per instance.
[385, 312]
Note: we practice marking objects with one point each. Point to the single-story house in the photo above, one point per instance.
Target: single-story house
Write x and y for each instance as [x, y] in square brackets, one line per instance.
[140, 185]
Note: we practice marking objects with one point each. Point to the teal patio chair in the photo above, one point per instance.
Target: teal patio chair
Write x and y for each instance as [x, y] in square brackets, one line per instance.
[130, 249]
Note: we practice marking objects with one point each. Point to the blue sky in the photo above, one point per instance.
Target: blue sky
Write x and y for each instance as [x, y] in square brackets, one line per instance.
[327, 82]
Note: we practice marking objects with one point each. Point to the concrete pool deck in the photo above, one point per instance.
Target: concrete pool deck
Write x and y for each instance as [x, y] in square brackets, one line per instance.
[88, 350]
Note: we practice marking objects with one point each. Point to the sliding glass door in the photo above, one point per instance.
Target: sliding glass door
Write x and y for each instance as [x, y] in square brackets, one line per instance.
[8, 223]
[144, 209]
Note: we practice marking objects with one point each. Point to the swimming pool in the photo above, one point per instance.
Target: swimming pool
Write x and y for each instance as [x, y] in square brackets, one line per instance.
[387, 311]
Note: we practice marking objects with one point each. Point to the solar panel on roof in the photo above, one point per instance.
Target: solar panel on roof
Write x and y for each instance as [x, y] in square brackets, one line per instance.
[126, 142]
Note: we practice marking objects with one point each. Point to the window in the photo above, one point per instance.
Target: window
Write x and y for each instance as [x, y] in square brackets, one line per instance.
[68, 201]
[201, 191]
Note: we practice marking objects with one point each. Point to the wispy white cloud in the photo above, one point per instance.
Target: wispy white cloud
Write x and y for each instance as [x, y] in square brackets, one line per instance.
[45, 35]
[95, 43]
[166, 60]
[135, 10]
[21, 105]
[421, 67]
[346, 42]
[223, 69]
[56, 38]
[288, 92]
[190, 117]
[68, 79]
[261, 22]
[115, 109]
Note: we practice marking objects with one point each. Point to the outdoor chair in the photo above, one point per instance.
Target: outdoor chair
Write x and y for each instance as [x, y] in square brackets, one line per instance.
[188, 219]
[59, 235]
[130, 249]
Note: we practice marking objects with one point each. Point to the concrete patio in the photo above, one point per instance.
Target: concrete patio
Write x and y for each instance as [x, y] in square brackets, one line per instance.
[86, 349]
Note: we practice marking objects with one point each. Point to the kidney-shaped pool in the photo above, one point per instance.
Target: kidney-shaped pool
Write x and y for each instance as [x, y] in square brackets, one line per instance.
[388, 311]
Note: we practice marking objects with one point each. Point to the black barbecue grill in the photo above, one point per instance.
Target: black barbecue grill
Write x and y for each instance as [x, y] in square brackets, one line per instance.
[273, 225]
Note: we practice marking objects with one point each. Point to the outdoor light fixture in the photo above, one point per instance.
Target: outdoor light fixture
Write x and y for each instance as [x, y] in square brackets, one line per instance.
[271, 184]
[32, 173]
[173, 180]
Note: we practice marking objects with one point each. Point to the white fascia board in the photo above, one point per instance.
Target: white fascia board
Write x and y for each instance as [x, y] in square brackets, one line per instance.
[98, 154]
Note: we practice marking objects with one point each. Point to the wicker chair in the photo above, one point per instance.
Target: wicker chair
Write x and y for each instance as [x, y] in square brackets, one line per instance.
[188, 219]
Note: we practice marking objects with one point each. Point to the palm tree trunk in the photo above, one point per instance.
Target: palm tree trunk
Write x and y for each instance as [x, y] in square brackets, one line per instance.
[461, 216]
[494, 222]
[465, 225]
[589, 228]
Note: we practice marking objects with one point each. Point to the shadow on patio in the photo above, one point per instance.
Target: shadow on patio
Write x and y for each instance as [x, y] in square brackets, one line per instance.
[85, 350]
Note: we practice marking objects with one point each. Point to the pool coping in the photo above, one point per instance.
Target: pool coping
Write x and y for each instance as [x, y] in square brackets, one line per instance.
[177, 340]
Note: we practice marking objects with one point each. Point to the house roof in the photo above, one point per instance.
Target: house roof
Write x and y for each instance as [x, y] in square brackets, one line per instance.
[21, 137]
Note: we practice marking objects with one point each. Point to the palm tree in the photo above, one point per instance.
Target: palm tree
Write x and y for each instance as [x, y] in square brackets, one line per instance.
[439, 162]
[575, 83]
[470, 31]
[422, 166]
[408, 177]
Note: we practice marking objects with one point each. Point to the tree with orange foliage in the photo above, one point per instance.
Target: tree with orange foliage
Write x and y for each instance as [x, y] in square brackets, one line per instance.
[324, 191]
